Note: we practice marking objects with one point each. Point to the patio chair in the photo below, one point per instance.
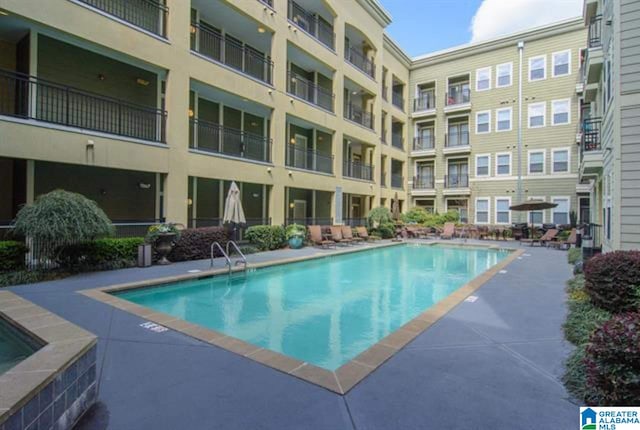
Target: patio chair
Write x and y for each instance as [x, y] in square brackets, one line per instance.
[336, 236]
[565, 244]
[448, 231]
[364, 234]
[547, 237]
[318, 239]
[347, 233]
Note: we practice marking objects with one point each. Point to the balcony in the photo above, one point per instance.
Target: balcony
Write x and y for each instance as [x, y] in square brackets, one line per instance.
[397, 180]
[593, 61]
[27, 97]
[312, 24]
[309, 159]
[423, 185]
[595, 32]
[357, 170]
[397, 141]
[424, 144]
[149, 15]
[456, 182]
[456, 142]
[210, 43]
[360, 61]
[397, 100]
[217, 139]
[267, 2]
[308, 91]
[458, 100]
[358, 115]
[424, 105]
[591, 155]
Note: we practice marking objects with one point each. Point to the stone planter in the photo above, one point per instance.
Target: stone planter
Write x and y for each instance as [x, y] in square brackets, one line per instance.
[295, 242]
[163, 246]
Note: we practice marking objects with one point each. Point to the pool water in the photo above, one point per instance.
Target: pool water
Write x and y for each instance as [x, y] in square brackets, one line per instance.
[14, 346]
[324, 311]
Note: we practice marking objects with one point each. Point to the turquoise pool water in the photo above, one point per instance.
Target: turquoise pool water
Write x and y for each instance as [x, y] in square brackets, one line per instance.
[14, 346]
[323, 311]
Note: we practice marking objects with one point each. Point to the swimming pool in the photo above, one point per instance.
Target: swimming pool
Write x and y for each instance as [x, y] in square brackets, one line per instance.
[14, 346]
[323, 311]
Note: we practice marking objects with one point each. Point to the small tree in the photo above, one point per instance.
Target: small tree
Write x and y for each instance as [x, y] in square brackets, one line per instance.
[379, 215]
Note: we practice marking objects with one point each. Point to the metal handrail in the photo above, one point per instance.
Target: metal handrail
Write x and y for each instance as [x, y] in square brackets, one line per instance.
[243, 259]
[224, 254]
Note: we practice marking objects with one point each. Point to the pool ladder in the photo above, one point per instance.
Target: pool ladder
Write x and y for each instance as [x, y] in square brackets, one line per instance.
[225, 254]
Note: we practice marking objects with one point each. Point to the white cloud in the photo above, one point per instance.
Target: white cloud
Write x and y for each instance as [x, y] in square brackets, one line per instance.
[499, 17]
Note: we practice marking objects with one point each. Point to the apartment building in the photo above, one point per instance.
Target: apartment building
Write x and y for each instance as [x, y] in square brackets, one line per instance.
[610, 127]
[153, 108]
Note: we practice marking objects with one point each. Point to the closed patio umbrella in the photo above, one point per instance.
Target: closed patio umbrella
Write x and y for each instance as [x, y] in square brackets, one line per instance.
[395, 207]
[233, 212]
[532, 205]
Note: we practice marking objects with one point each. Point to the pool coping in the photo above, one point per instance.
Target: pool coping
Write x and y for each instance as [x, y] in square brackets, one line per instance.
[62, 343]
[346, 376]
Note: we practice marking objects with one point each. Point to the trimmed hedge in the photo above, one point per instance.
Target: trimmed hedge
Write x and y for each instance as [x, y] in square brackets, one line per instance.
[613, 280]
[612, 361]
[195, 243]
[12, 255]
[100, 253]
[266, 237]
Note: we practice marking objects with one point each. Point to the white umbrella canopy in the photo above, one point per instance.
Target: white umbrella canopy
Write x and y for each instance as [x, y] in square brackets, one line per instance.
[233, 212]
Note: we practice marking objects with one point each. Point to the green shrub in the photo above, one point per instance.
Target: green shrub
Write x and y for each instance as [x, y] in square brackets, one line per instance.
[248, 249]
[612, 280]
[195, 243]
[100, 254]
[266, 237]
[574, 255]
[27, 277]
[416, 215]
[378, 216]
[295, 230]
[612, 361]
[575, 377]
[156, 230]
[583, 316]
[386, 230]
[12, 255]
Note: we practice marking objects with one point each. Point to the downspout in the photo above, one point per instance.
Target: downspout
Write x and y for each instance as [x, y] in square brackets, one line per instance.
[519, 189]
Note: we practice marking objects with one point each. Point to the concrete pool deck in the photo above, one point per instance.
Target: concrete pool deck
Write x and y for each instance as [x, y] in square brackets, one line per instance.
[496, 360]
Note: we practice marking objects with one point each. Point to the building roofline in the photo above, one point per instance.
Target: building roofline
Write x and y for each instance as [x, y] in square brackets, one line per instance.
[375, 9]
[394, 48]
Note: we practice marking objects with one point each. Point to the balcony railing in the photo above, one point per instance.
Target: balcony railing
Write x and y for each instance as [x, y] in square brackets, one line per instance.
[423, 183]
[311, 24]
[357, 114]
[398, 100]
[28, 97]
[397, 180]
[267, 2]
[424, 102]
[148, 15]
[310, 221]
[423, 143]
[452, 140]
[595, 32]
[355, 222]
[308, 159]
[453, 98]
[362, 62]
[210, 43]
[210, 137]
[397, 140]
[218, 222]
[456, 181]
[591, 134]
[307, 90]
[357, 170]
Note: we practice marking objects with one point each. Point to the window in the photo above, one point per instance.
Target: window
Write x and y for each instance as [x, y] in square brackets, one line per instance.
[482, 211]
[560, 160]
[503, 119]
[483, 122]
[560, 111]
[561, 63]
[536, 162]
[537, 112]
[503, 75]
[483, 165]
[483, 79]
[503, 164]
[538, 68]
[561, 212]
[503, 215]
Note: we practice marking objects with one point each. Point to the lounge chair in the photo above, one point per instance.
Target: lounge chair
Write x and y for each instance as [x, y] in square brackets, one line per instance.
[336, 236]
[318, 239]
[364, 234]
[565, 244]
[347, 233]
[448, 231]
[547, 237]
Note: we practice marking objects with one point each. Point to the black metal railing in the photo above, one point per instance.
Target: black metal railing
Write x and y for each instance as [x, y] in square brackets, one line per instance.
[361, 61]
[591, 134]
[267, 2]
[210, 43]
[595, 32]
[309, 159]
[28, 97]
[452, 140]
[311, 24]
[397, 140]
[218, 222]
[424, 102]
[357, 170]
[423, 143]
[456, 181]
[216, 138]
[397, 100]
[149, 15]
[423, 183]
[309, 221]
[453, 98]
[357, 114]
[356, 222]
[307, 90]
[397, 180]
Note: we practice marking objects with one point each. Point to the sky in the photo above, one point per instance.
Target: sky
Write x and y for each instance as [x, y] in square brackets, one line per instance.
[424, 26]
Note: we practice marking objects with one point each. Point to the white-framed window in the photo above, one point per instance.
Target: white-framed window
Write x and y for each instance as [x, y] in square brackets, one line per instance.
[503, 164]
[483, 122]
[503, 119]
[536, 162]
[536, 217]
[482, 210]
[538, 68]
[503, 214]
[483, 79]
[483, 164]
[560, 112]
[560, 162]
[537, 113]
[503, 75]
[560, 212]
[561, 63]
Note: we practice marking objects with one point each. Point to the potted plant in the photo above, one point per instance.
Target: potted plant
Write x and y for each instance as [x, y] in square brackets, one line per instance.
[295, 234]
[163, 237]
